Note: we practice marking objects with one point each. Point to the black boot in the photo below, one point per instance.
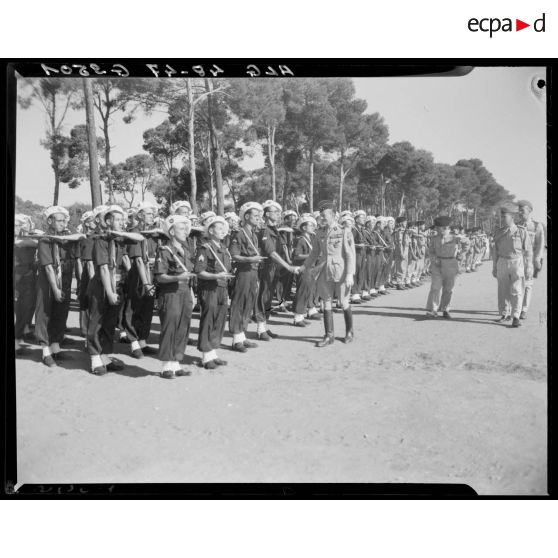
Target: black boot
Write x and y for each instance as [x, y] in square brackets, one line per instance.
[349, 335]
[328, 325]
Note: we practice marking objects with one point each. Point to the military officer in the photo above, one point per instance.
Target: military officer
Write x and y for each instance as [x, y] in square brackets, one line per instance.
[332, 262]
[513, 261]
[443, 251]
[536, 234]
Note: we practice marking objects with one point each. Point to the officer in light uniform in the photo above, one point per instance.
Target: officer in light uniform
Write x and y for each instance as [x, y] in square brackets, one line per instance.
[536, 234]
[246, 256]
[443, 252]
[401, 241]
[332, 262]
[513, 261]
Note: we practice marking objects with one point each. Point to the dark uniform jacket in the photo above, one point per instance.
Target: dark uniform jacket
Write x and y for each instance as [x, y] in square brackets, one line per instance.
[206, 260]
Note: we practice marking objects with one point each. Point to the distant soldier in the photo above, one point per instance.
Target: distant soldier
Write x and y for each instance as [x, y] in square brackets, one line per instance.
[412, 258]
[357, 291]
[213, 267]
[333, 255]
[173, 272]
[272, 246]
[401, 241]
[246, 257]
[371, 259]
[288, 235]
[536, 234]
[513, 261]
[421, 250]
[443, 252]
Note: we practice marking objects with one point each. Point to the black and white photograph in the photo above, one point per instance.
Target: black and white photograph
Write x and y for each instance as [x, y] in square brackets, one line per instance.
[279, 278]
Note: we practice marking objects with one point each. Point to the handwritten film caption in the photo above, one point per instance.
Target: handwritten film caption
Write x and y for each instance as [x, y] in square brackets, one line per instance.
[198, 71]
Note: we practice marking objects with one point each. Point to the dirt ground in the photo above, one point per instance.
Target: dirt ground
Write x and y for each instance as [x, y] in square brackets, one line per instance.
[411, 400]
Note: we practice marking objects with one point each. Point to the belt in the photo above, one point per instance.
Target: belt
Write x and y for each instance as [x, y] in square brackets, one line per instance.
[446, 257]
[511, 257]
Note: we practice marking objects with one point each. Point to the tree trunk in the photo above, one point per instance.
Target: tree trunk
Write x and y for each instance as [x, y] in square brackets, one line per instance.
[311, 185]
[96, 195]
[216, 152]
[286, 188]
[401, 206]
[341, 183]
[105, 119]
[55, 164]
[191, 153]
[210, 165]
[383, 195]
[271, 157]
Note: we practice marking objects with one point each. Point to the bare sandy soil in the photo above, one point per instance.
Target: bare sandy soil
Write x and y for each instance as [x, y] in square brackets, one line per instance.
[411, 400]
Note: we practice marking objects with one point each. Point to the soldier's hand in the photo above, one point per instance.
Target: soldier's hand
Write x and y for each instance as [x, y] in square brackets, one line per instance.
[113, 299]
[184, 276]
[538, 264]
[349, 281]
[529, 273]
[58, 295]
[494, 273]
[148, 290]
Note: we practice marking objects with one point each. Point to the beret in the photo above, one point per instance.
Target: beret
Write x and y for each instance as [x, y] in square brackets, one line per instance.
[522, 203]
[53, 209]
[442, 221]
[172, 220]
[206, 215]
[401, 219]
[147, 205]
[288, 212]
[306, 218]
[178, 204]
[271, 204]
[86, 216]
[213, 220]
[419, 223]
[247, 207]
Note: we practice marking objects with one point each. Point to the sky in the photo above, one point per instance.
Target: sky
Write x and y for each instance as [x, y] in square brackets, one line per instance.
[490, 114]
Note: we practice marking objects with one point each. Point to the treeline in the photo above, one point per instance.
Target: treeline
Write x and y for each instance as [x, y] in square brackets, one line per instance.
[315, 135]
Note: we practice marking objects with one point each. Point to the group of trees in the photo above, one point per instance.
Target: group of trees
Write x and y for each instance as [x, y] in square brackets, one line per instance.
[316, 137]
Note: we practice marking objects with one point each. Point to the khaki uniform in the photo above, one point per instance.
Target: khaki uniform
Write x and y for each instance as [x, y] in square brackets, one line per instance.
[443, 252]
[512, 250]
[332, 258]
[536, 234]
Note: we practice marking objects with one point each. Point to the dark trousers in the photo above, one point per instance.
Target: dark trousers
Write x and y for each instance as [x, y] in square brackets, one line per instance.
[284, 285]
[360, 270]
[137, 315]
[50, 316]
[305, 293]
[243, 300]
[25, 298]
[268, 277]
[175, 313]
[84, 301]
[213, 315]
[102, 319]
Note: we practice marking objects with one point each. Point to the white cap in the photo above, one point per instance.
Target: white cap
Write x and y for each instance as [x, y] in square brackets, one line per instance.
[206, 215]
[247, 207]
[147, 205]
[306, 218]
[288, 212]
[112, 209]
[231, 215]
[271, 203]
[216, 219]
[86, 216]
[370, 219]
[53, 209]
[359, 212]
[99, 210]
[172, 220]
[178, 204]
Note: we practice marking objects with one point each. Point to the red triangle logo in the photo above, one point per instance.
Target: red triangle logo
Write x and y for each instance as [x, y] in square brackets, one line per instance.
[519, 25]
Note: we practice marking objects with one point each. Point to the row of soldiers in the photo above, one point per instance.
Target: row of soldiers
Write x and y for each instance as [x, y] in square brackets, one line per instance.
[128, 263]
